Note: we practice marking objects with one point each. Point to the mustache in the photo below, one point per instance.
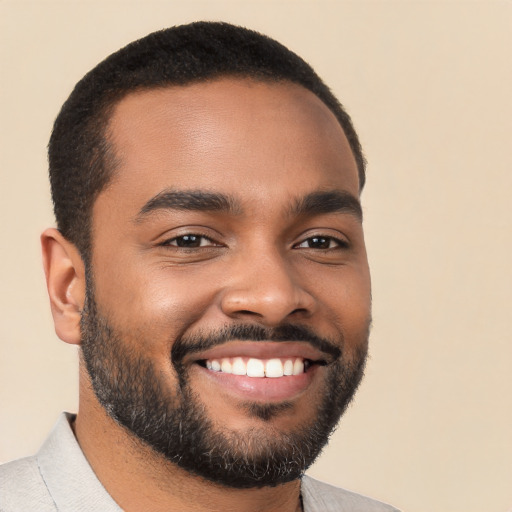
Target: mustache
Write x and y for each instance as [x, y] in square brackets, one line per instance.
[187, 345]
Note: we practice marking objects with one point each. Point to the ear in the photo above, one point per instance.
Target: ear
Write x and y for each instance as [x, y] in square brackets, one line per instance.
[65, 280]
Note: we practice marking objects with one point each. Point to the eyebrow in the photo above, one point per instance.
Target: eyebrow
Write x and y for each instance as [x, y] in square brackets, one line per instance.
[315, 203]
[189, 200]
[324, 202]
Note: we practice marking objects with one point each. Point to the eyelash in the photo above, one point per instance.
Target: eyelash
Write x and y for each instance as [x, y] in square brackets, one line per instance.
[322, 239]
[210, 242]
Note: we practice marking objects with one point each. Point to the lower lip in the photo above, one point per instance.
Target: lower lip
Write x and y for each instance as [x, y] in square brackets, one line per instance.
[261, 389]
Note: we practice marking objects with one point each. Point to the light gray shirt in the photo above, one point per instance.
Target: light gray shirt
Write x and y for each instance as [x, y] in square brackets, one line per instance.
[59, 478]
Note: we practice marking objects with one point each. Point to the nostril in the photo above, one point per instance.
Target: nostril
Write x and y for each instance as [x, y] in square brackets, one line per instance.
[271, 307]
[299, 311]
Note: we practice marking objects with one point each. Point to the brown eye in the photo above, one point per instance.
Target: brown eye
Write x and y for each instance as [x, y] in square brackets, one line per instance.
[190, 241]
[321, 242]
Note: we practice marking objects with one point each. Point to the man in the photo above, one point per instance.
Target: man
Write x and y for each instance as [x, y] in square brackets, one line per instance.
[210, 262]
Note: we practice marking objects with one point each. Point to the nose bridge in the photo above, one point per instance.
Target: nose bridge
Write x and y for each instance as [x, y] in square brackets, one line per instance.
[264, 284]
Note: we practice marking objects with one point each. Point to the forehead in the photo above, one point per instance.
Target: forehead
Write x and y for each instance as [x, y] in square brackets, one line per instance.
[269, 140]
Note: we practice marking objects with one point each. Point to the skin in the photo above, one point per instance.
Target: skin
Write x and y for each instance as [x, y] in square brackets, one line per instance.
[265, 146]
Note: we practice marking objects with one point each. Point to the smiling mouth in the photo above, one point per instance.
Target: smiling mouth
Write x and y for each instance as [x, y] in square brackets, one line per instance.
[261, 371]
[260, 368]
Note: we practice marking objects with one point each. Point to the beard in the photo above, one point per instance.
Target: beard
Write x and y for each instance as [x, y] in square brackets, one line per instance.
[173, 421]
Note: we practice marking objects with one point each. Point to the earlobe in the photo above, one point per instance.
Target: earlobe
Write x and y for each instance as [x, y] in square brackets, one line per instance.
[65, 280]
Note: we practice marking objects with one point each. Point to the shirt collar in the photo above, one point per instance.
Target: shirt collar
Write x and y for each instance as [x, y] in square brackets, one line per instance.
[69, 478]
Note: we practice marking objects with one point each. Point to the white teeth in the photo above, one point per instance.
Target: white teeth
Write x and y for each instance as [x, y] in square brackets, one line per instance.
[288, 367]
[255, 368]
[298, 367]
[239, 367]
[225, 366]
[272, 368]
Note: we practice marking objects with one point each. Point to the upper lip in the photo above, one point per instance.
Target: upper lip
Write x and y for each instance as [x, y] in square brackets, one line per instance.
[261, 350]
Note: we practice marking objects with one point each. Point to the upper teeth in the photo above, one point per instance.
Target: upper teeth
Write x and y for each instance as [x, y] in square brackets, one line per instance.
[257, 367]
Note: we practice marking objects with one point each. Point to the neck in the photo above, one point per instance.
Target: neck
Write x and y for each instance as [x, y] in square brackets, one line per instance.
[138, 478]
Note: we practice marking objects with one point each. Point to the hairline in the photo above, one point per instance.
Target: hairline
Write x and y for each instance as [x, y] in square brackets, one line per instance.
[105, 114]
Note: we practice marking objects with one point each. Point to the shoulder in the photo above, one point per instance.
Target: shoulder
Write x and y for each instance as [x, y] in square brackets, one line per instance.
[319, 496]
[22, 487]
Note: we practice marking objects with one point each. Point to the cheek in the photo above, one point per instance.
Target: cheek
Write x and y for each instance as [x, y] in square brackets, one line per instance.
[347, 300]
[157, 302]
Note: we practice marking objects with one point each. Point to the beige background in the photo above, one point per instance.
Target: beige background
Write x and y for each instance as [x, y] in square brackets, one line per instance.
[428, 85]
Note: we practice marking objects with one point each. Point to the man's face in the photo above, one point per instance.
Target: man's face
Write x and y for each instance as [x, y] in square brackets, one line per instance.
[228, 307]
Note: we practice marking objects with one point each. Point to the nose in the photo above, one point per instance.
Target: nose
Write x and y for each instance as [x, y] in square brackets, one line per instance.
[267, 290]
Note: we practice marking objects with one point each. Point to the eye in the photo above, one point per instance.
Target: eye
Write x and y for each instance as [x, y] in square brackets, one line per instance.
[322, 242]
[190, 241]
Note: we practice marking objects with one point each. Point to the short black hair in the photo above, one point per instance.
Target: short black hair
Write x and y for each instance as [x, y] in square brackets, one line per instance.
[81, 161]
